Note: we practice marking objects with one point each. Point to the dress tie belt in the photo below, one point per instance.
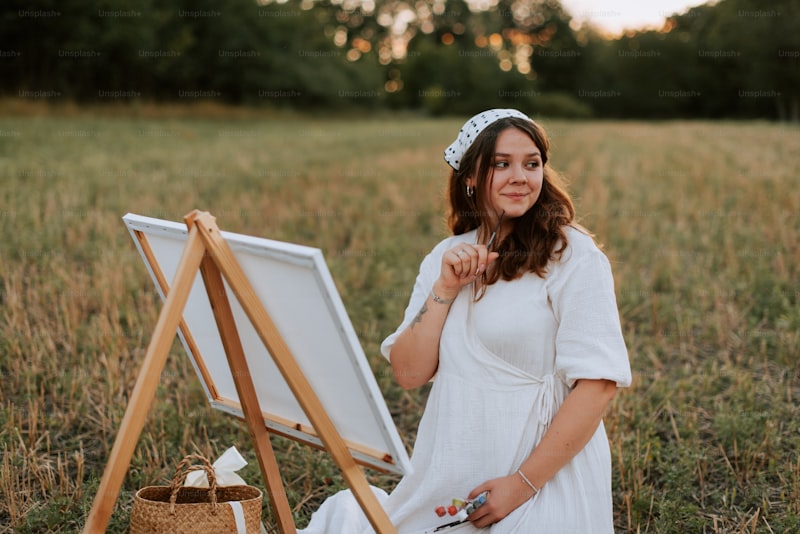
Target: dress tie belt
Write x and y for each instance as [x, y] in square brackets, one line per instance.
[546, 404]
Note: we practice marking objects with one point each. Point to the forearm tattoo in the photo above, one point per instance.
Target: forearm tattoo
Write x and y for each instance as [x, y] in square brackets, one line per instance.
[418, 318]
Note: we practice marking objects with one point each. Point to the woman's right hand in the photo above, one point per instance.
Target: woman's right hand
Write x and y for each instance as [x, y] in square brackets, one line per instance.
[415, 354]
[461, 265]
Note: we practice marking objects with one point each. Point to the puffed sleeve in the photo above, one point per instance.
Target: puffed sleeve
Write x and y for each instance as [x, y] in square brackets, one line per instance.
[428, 273]
[589, 341]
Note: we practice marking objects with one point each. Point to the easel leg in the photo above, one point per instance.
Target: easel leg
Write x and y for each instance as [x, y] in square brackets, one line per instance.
[226, 262]
[246, 391]
[145, 388]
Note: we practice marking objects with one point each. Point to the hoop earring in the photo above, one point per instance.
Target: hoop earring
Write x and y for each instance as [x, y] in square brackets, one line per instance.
[470, 191]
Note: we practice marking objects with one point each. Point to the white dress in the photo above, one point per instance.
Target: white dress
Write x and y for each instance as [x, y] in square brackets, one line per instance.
[506, 364]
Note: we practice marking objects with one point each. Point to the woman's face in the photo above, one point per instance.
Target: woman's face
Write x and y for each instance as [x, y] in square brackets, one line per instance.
[517, 176]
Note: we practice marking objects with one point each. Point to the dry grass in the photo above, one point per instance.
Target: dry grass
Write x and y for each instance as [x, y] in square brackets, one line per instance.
[701, 221]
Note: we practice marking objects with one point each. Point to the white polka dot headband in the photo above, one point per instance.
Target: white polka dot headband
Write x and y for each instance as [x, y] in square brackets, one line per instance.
[471, 129]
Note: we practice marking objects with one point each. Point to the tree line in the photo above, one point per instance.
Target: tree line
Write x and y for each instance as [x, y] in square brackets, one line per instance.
[732, 59]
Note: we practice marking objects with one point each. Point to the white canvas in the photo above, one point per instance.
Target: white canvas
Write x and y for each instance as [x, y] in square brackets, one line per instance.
[296, 289]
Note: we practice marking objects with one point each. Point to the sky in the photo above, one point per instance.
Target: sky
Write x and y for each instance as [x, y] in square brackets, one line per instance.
[615, 16]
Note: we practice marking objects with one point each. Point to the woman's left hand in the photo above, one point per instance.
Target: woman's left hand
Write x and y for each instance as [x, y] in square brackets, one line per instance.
[506, 494]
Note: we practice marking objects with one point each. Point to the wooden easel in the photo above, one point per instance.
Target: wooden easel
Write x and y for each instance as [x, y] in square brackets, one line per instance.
[206, 250]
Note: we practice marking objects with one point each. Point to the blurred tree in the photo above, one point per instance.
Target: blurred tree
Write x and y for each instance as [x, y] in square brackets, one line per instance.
[448, 79]
[760, 64]
[237, 52]
[734, 58]
[538, 40]
[76, 49]
[460, 60]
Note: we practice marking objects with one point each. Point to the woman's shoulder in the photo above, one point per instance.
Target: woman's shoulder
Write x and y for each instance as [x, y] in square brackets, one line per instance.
[582, 259]
[580, 245]
[580, 239]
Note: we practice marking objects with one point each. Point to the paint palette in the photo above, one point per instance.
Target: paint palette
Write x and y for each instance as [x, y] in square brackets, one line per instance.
[459, 509]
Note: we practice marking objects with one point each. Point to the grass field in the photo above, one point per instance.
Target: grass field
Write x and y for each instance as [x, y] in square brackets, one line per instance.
[701, 222]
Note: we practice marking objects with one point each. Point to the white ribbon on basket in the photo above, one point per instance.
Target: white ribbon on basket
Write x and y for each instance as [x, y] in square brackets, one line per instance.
[225, 468]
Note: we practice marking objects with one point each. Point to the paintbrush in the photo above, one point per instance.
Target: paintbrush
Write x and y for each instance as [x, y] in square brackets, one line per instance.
[494, 234]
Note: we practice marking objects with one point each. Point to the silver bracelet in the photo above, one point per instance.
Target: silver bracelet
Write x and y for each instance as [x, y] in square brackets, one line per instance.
[440, 300]
[528, 482]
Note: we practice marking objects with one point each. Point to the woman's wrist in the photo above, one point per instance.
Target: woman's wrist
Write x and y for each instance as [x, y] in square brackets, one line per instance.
[528, 483]
[443, 295]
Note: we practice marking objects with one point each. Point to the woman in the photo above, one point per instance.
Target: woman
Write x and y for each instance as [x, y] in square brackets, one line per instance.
[520, 333]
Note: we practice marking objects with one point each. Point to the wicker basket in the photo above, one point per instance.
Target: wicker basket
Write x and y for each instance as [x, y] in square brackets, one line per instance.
[189, 510]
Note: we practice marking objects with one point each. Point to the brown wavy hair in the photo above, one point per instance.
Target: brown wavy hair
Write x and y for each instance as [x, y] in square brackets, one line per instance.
[537, 236]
